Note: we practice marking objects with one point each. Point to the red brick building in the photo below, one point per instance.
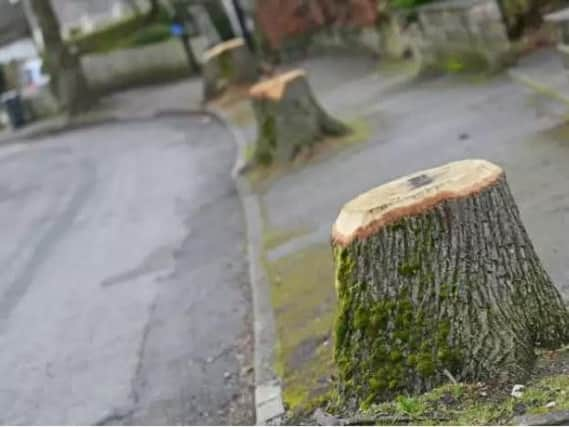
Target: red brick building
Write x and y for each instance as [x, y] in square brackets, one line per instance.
[283, 19]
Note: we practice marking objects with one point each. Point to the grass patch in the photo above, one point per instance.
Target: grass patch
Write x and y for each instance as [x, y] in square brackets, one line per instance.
[304, 301]
[469, 404]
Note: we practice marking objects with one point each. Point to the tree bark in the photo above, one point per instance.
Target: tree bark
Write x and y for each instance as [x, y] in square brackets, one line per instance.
[436, 272]
[183, 18]
[249, 40]
[289, 118]
[219, 19]
[153, 10]
[134, 7]
[67, 79]
[229, 63]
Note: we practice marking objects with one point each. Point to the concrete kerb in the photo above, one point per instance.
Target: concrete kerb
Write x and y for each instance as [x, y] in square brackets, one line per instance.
[269, 406]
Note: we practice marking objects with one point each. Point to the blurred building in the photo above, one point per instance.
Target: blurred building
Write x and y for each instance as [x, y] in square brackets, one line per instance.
[16, 44]
[282, 20]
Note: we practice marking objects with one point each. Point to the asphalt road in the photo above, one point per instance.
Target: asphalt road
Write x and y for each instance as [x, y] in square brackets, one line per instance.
[123, 287]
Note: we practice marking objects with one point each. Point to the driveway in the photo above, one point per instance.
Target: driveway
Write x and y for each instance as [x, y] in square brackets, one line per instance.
[123, 289]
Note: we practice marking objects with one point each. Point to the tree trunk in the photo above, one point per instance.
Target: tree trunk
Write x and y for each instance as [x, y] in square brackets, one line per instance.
[67, 79]
[134, 6]
[249, 40]
[228, 63]
[436, 272]
[219, 19]
[289, 118]
[153, 11]
[182, 17]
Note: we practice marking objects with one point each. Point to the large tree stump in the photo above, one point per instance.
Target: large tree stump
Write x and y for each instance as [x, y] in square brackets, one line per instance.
[435, 272]
[228, 63]
[289, 118]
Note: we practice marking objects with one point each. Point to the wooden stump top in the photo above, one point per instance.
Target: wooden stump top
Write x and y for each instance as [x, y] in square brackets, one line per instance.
[411, 195]
[223, 47]
[274, 88]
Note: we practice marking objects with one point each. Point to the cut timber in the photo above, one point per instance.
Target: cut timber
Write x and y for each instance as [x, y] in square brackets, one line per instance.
[435, 272]
[289, 118]
[228, 63]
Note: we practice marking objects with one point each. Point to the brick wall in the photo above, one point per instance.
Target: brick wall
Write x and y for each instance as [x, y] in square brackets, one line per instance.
[281, 20]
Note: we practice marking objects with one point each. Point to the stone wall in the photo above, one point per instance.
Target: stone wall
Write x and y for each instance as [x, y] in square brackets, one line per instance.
[120, 69]
[463, 34]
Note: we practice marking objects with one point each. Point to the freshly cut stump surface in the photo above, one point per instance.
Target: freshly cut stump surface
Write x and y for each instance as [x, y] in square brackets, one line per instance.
[289, 118]
[435, 272]
[226, 64]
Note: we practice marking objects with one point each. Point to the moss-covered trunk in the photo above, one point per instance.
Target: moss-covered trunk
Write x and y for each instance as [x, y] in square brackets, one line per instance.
[229, 63]
[455, 286]
[290, 122]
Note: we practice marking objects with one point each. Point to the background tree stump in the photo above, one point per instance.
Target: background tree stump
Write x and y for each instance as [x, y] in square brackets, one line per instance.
[228, 63]
[435, 272]
[289, 118]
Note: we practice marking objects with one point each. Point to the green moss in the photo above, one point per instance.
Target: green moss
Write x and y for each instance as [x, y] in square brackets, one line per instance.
[360, 132]
[391, 340]
[225, 66]
[409, 269]
[380, 361]
[304, 300]
[425, 365]
[267, 142]
[454, 65]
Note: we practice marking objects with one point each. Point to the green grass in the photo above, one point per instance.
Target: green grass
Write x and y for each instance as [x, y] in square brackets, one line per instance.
[468, 404]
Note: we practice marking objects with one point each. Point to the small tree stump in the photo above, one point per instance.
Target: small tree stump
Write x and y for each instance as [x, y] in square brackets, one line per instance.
[228, 63]
[435, 272]
[289, 118]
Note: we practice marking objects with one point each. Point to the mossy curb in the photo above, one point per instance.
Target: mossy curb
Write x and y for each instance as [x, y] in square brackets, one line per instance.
[302, 292]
